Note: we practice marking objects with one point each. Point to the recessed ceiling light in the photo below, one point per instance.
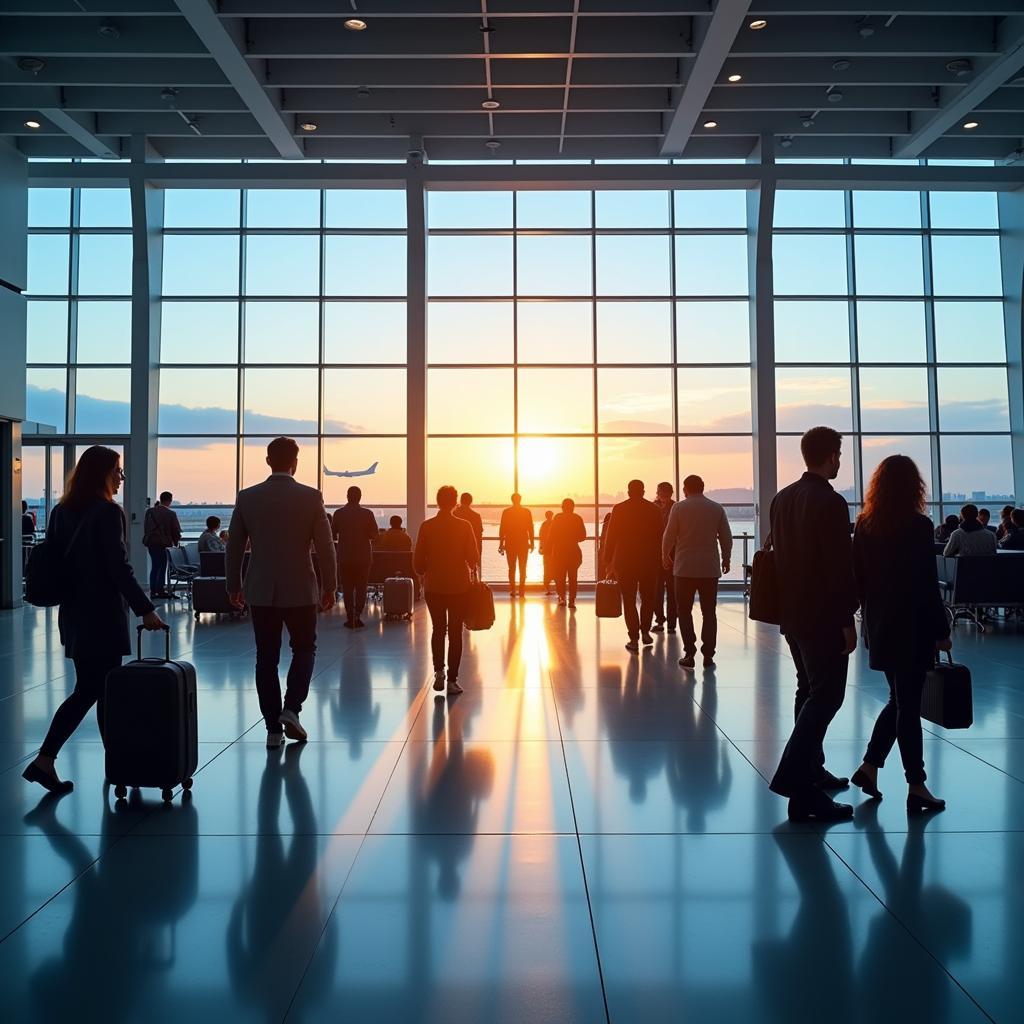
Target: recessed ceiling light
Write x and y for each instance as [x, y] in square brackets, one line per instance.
[710, 124]
[835, 96]
[33, 124]
[493, 144]
[490, 104]
[309, 126]
[735, 78]
[363, 92]
[970, 124]
[758, 24]
[355, 24]
[841, 65]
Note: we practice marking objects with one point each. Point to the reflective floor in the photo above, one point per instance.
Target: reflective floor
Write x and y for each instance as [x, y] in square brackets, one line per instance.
[584, 835]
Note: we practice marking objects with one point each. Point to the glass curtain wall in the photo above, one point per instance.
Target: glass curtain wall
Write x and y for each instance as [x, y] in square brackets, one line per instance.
[283, 312]
[889, 327]
[577, 340]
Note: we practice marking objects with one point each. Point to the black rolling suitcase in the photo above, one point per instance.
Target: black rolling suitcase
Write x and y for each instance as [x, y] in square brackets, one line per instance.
[149, 728]
[210, 594]
[946, 699]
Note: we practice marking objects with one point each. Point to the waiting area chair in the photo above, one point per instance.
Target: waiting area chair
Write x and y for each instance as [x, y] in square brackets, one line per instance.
[972, 583]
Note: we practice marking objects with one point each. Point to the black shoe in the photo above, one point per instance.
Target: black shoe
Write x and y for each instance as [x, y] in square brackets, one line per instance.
[349, 624]
[687, 661]
[358, 624]
[819, 808]
[917, 804]
[49, 782]
[709, 662]
[670, 628]
[861, 781]
[633, 647]
[657, 628]
[647, 639]
[828, 781]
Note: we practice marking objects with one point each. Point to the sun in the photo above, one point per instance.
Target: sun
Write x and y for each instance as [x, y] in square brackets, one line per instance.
[539, 461]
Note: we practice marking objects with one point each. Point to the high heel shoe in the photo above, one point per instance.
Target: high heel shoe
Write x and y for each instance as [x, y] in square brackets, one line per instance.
[916, 804]
[862, 781]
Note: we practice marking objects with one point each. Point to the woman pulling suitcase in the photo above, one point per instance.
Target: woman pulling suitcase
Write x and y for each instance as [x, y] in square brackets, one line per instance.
[99, 587]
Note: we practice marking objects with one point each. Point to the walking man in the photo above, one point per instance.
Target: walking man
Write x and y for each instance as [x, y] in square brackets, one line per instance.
[515, 542]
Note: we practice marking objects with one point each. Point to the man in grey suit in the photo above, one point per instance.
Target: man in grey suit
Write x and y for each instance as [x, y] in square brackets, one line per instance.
[280, 519]
[697, 527]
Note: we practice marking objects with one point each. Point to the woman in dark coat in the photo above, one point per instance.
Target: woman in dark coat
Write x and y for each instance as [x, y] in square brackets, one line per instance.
[100, 587]
[904, 623]
[563, 544]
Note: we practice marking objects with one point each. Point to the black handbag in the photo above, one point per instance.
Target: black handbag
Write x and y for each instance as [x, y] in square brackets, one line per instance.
[946, 699]
[764, 586]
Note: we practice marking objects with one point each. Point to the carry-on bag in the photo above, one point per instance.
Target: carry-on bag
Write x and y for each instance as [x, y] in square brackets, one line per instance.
[764, 586]
[608, 599]
[479, 613]
[150, 731]
[946, 698]
[210, 594]
[398, 597]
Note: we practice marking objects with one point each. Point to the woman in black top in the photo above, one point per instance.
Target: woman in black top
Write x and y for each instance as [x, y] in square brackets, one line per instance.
[904, 623]
[100, 586]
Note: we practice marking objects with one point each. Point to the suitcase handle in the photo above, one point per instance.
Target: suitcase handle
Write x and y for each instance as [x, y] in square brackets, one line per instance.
[938, 657]
[167, 641]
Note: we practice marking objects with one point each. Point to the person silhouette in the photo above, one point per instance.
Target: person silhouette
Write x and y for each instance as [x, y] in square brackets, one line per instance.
[466, 511]
[543, 535]
[515, 542]
[563, 543]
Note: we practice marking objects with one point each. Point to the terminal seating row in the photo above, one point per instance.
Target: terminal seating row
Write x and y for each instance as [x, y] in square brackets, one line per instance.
[972, 583]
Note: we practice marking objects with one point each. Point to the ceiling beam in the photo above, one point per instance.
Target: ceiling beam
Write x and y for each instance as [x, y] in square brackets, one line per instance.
[81, 128]
[225, 51]
[926, 129]
[717, 37]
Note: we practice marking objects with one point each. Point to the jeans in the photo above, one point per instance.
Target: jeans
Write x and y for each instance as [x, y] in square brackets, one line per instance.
[267, 622]
[821, 687]
[158, 568]
[353, 580]
[647, 584]
[707, 588]
[90, 680]
[446, 614]
[900, 720]
[665, 601]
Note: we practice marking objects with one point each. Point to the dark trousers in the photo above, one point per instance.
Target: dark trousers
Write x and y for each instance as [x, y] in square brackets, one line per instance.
[565, 581]
[665, 601]
[266, 625]
[517, 556]
[447, 612]
[821, 686]
[647, 584]
[90, 681]
[707, 587]
[900, 720]
[353, 580]
[157, 568]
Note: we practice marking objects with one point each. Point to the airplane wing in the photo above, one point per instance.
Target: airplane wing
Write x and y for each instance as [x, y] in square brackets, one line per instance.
[352, 472]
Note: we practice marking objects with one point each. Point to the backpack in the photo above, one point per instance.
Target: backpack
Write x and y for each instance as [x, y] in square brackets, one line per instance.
[46, 573]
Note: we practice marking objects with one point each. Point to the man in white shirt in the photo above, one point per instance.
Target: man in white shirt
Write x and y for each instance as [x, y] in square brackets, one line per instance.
[697, 528]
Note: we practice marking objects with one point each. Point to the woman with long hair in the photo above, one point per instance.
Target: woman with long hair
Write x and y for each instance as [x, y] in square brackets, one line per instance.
[89, 526]
[903, 621]
[445, 555]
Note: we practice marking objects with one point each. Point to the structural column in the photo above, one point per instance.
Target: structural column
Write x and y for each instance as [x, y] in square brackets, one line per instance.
[416, 350]
[760, 221]
[1011, 248]
[147, 202]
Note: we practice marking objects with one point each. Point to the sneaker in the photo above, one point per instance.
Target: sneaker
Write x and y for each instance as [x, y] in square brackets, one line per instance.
[686, 661]
[275, 740]
[633, 646]
[648, 639]
[439, 679]
[453, 688]
[292, 726]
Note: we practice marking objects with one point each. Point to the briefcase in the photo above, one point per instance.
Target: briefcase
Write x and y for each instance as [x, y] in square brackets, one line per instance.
[479, 613]
[946, 698]
[608, 599]
[764, 586]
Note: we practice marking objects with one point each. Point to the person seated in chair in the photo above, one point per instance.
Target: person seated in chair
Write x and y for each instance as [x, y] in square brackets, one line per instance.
[394, 538]
[1013, 540]
[209, 539]
[945, 529]
[970, 538]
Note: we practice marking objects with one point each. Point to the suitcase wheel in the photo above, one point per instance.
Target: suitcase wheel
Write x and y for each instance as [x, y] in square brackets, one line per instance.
[120, 792]
[167, 794]
[187, 784]
[197, 616]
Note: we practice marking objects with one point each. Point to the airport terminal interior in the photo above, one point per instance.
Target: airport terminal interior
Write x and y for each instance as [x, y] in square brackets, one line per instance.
[542, 247]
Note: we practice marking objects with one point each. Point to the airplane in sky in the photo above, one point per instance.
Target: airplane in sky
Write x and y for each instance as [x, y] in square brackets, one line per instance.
[352, 472]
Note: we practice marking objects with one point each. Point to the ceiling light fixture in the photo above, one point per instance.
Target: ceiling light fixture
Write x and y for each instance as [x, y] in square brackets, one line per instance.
[786, 141]
[355, 24]
[33, 65]
[33, 124]
[960, 67]
[970, 124]
[758, 24]
[363, 92]
[835, 96]
[309, 126]
[490, 104]
[842, 64]
[735, 78]
[108, 30]
[493, 144]
[710, 124]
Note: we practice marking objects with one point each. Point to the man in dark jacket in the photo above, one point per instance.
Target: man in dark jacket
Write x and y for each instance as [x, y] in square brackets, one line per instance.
[160, 531]
[810, 532]
[355, 530]
[633, 553]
